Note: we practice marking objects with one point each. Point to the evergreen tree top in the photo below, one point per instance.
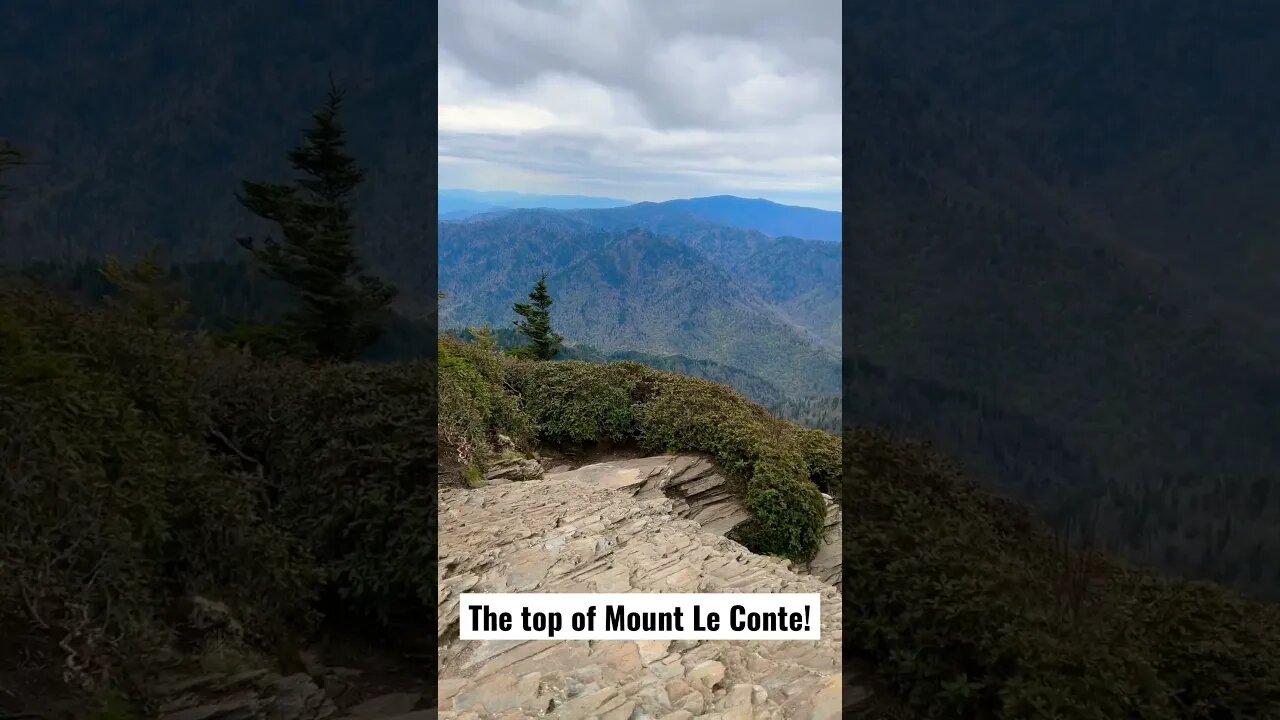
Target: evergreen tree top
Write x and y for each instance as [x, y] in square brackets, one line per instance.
[536, 325]
[328, 171]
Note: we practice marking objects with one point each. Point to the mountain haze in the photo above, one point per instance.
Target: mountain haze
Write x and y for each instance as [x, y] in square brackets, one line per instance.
[459, 204]
[632, 290]
[768, 217]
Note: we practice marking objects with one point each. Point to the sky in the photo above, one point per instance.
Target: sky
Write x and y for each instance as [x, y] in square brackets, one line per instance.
[642, 99]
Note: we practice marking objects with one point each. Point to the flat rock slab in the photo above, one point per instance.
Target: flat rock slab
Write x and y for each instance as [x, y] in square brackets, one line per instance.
[701, 493]
[254, 695]
[616, 528]
[389, 705]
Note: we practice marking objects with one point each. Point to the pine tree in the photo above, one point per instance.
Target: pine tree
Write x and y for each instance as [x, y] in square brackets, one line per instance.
[543, 343]
[343, 310]
[485, 339]
[144, 291]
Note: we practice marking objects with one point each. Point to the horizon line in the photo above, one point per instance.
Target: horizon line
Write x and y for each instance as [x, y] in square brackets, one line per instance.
[634, 202]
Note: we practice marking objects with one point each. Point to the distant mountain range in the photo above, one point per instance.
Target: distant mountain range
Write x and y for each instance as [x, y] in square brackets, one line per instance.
[651, 279]
[770, 218]
[461, 204]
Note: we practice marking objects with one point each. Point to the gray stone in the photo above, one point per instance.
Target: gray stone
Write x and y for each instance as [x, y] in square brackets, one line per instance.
[514, 470]
[241, 707]
[622, 712]
[826, 704]
[188, 684]
[397, 703]
[298, 698]
[692, 702]
[340, 691]
[622, 526]
[706, 673]
[249, 677]
[739, 694]
[206, 614]
[651, 650]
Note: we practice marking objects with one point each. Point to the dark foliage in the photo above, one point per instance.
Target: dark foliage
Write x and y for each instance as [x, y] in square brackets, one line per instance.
[345, 457]
[342, 308]
[541, 342]
[112, 502]
[972, 610]
[569, 403]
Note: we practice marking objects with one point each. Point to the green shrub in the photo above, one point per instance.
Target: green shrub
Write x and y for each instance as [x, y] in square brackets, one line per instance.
[572, 403]
[474, 408]
[110, 503]
[576, 402]
[956, 596]
[347, 458]
[823, 453]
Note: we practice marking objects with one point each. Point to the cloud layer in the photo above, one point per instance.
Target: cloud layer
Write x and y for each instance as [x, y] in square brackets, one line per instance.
[642, 100]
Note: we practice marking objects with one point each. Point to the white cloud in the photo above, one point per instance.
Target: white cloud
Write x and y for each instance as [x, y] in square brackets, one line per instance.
[642, 100]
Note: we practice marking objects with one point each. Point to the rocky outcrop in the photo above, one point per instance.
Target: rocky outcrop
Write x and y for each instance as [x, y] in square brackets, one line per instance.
[700, 493]
[264, 695]
[252, 695]
[828, 562]
[513, 470]
[625, 526]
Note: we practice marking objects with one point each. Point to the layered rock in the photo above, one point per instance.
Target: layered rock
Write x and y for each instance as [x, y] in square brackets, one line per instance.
[625, 526]
[265, 695]
[252, 695]
[702, 494]
[513, 470]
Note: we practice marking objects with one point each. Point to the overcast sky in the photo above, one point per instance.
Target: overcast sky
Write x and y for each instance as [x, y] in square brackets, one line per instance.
[642, 99]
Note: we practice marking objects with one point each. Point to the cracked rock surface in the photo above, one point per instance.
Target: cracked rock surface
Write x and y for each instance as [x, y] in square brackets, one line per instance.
[645, 525]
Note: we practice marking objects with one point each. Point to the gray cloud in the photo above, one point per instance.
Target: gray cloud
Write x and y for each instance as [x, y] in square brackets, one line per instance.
[649, 100]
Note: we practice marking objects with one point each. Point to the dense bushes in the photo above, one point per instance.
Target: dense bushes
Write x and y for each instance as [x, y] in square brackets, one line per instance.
[110, 503]
[346, 456]
[474, 408]
[139, 465]
[964, 603]
[576, 402]
[824, 454]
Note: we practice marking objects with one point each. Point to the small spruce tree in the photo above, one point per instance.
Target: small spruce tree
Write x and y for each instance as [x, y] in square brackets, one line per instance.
[343, 310]
[144, 291]
[536, 325]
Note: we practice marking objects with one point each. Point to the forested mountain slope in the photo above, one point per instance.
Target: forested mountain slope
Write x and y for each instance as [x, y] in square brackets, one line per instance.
[973, 265]
[1156, 122]
[630, 290]
[768, 217]
[801, 277]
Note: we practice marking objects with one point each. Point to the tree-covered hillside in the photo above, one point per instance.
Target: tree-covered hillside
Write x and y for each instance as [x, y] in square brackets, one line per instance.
[818, 412]
[648, 292]
[976, 270]
[764, 216]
